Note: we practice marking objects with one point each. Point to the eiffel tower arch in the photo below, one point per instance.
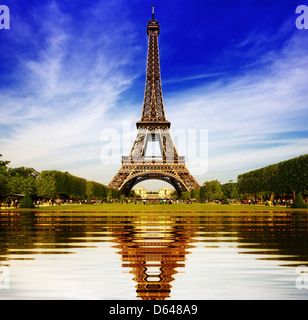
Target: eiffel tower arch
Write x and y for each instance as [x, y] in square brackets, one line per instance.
[153, 126]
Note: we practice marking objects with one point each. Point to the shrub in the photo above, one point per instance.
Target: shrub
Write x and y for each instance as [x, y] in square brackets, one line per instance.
[26, 201]
[225, 200]
[299, 202]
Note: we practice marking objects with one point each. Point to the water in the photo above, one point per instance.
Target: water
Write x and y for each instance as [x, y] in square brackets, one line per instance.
[162, 256]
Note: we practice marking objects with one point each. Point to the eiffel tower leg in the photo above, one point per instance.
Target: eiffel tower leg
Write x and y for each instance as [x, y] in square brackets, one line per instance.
[119, 179]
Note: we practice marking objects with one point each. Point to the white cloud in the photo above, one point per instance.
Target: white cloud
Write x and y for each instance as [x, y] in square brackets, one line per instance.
[243, 114]
[56, 116]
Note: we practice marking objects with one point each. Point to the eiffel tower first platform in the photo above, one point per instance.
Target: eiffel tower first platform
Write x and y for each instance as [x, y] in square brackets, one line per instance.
[153, 126]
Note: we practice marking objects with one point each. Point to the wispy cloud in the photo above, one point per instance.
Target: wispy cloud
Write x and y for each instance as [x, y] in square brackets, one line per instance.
[195, 77]
[55, 119]
[243, 113]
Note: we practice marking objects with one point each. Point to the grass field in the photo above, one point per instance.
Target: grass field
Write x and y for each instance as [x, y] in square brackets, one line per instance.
[194, 208]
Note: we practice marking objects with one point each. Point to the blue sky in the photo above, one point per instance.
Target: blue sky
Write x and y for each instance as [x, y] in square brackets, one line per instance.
[72, 70]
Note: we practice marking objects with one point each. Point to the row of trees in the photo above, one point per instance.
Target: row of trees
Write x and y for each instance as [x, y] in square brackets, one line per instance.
[50, 184]
[287, 179]
[64, 185]
[283, 178]
[213, 190]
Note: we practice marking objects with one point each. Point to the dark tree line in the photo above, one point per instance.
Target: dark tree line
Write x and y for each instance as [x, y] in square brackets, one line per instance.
[50, 184]
[283, 178]
[287, 178]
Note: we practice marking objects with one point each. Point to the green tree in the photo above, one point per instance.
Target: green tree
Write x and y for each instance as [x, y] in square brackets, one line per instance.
[46, 185]
[77, 186]
[185, 195]
[132, 194]
[225, 200]
[195, 193]
[212, 190]
[230, 190]
[114, 193]
[26, 201]
[4, 177]
[89, 200]
[56, 183]
[299, 202]
[96, 190]
[22, 180]
[202, 193]
[290, 176]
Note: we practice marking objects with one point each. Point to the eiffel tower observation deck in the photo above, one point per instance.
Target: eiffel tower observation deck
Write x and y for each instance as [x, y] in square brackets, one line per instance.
[153, 126]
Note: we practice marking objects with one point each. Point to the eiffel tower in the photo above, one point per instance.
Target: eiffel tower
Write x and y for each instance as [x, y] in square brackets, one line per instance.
[153, 126]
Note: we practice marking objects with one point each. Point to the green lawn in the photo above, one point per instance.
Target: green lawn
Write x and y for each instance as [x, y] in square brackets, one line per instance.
[194, 208]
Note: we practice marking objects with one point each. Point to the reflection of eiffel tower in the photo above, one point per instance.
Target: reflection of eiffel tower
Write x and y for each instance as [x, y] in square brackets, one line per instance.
[153, 248]
[153, 126]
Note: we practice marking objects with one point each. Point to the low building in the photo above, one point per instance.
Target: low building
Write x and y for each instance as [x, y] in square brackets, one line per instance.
[165, 193]
[142, 192]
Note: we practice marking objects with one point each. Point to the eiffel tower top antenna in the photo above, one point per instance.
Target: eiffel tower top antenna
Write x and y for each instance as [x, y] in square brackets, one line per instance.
[153, 13]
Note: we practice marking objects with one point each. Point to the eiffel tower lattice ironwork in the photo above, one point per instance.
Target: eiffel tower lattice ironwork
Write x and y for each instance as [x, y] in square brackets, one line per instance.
[153, 126]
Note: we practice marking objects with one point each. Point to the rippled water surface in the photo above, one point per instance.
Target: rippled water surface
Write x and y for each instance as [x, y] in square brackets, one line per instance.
[162, 256]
